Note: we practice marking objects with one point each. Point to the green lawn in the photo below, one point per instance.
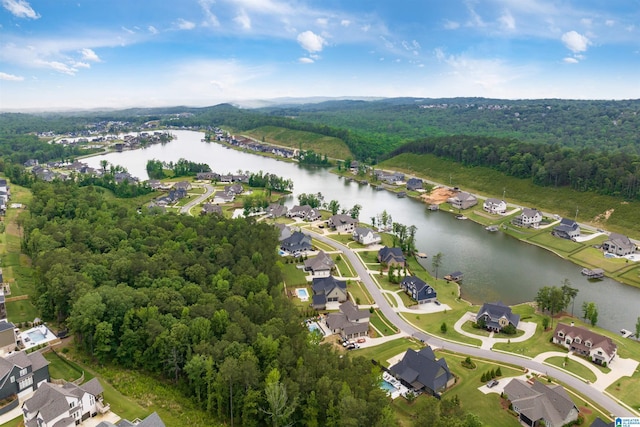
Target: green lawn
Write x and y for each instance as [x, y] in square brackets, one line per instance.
[62, 369]
[343, 265]
[385, 351]
[574, 367]
[561, 246]
[381, 324]
[432, 323]
[359, 293]
[293, 276]
[627, 389]
[21, 311]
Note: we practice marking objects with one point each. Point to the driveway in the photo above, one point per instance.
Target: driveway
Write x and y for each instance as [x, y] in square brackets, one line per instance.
[591, 393]
[208, 192]
[529, 329]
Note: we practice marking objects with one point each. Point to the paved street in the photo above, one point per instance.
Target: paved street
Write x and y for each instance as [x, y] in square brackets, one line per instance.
[595, 395]
[209, 191]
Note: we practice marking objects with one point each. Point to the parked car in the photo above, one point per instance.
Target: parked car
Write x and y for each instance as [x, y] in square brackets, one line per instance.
[360, 340]
[347, 343]
[492, 383]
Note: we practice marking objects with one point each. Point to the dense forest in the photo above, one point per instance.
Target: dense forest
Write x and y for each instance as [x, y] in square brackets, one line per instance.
[197, 300]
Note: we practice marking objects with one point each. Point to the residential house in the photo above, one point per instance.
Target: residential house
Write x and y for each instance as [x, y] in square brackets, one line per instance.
[156, 184]
[350, 322]
[414, 184]
[343, 223]
[619, 244]
[152, 420]
[536, 402]
[235, 189]
[210, 208]
[7, 337]
[20, 375]
[366, 236]
[463, 200]
[31, 162]
[354, 166]
[328, 291]
[284, 231]
[598, 422]
[567, 229]
[64, 405]
[222, 197]
[320, 265]
[276, 210]
[207, 176]
[417, 289]
[528, 218]
[495, 206]
[422, 372]
[296, 244]
[391, 257]
[305, 212]
[186, 185]
[598, 348]
[497, 316]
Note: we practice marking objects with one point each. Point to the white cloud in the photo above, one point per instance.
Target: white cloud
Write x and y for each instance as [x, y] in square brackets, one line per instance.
[322, 22]
[305, 60]
[345, 22]
[10, 77]
[211, 20]
[412, 46]
[609, 22]
[152, 29]
[570, 60]
[451, 25]
[575, 41]
[243, 20]
[59, 67]
[183, 24]
[20, 9]
[586, 22]
[311, 41]
[128, 30]
[89, 55]
[507, 21]
[81, 65]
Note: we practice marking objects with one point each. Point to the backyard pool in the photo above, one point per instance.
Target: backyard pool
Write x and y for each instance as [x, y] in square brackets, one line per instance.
[302, 294]
[388, 387]
[36, 336]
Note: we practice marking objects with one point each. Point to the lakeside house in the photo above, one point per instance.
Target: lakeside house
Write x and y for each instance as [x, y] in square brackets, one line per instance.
[418, 289]
[305, 212]
[600, 349]
[276, 210]
[414, 184]
[528, 218]
[350, 322]
[497, 316]
[535, 402]
[463, 200]
[366, 236]
[391, 257]
[342, 223]
[420, 371]
[567, 229]
[619, 244]
[494, 206]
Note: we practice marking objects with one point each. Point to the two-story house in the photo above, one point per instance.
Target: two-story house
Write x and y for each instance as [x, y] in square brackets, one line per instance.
[320, 265]
[567, 229]
[463, 200]
[418, 289]
[366, 236]
[391, 257]
[497, 316]
[598, 348]
[20, 375]
[494, 206]
[343, 223]
[619, 244]
[327, 291]
[528, 218]
[350, 322]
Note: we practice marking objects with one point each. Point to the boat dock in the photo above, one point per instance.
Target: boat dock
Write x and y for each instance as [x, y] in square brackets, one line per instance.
[454, 277]
[596, 273]
[421, 255]
[625, 333]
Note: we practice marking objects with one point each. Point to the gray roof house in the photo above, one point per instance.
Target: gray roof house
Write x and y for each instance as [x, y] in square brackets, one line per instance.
[417, 289]
[350, 322]
[328, 290]
[343, 223]
[414, 184]
[20, 375]
[598, 348]
[494, 206]
[567, 229]
[463, 200]
[182, 184]
[391, 256]
[528, 218]
[283, 230]
[64, 405]
[619, 244]
[535, 402]
[366, 236]
[497, 315]
[421, 371]
[276, 210]
[320, 265]
[210, 208]
[305, 212]
[7, 337]
[297, 243]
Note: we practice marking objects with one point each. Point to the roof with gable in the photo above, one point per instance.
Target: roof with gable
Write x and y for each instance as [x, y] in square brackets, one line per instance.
[321, 262]
[421, 369]
[537, 401]
[417, 288]
[324, 285]
[585, 335]
[495, 311]
[388, 255]
[298, 241]
[50, 400]
[35, 359]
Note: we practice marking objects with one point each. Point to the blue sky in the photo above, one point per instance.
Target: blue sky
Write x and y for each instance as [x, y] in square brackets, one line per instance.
[123, 53]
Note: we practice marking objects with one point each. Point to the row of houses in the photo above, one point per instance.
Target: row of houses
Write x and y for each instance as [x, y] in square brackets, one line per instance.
[252, 145]
[5, 193]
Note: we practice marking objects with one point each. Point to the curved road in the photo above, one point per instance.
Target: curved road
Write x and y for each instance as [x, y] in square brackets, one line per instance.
[591, 393]
[209, 191]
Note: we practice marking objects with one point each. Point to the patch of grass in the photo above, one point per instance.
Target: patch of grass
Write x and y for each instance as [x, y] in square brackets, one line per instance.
[572, 366]
[60, 368]
[359, 293]
[344, 265]
[293, 276]
[627, 389]
[432, 322]
[593, 257]
[385, 351]
[381, 324]
[562, 247]
[21, 311]
[406, 299]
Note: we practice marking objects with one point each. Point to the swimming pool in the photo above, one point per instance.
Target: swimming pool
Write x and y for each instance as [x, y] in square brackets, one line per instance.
[387, 386]
[303, 294]
[313, 326]
[36, 336]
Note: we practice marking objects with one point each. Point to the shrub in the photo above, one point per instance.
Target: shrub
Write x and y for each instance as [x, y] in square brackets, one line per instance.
[509, 330]
[483, 378]
[443, 328]
[498, 372]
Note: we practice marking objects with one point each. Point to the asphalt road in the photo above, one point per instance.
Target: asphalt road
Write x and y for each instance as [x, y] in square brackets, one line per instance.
[209, 191]
[589, 392]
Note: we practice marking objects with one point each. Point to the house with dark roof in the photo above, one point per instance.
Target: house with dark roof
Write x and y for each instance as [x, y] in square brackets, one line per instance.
[305, 212]
[463, 200]
[414, 184]
[536, 402]
[20, 375]
[619, 244]
[598, 348]
[320, 265]
[3, 304]
[296, 244]
[598, 422]
[7, 336]
[65, 405]
[223, 197]
[342, 223]
[152, 420]
[497, 316]
[422, 372]
[350, 322]
[235, 189]
[528, 218]
[186, 185]
[391, 257]
[284, 231]
[366, 236]
[207, 176]
[328, 291]
[210, 208]
[494, 206]
[567, 229]
[418, 289]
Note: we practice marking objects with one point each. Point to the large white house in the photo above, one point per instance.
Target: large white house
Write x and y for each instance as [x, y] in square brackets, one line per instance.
[366, 236]
[343, 223]
[598, 348]
[528, 218]
[495, 206]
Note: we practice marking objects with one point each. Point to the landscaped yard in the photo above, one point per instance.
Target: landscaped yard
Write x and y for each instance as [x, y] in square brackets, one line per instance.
[359, 293]
[562, 246]
[383, 352]
[627, 389]
[381, 324]
[572, 366]
[21, 311]
[293, 276]
[60, 368]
